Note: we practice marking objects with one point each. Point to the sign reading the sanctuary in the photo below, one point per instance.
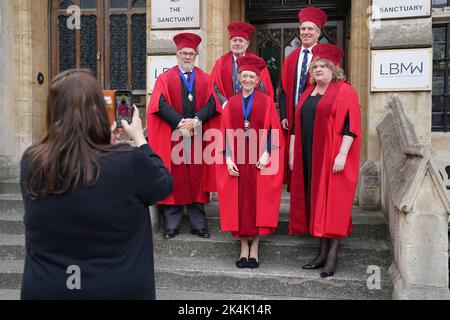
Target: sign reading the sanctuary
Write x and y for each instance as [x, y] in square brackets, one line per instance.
[394, 9]
[402, 70]
[175, 14]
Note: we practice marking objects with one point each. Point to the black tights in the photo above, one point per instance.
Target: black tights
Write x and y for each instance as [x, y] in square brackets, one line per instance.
[328, 253]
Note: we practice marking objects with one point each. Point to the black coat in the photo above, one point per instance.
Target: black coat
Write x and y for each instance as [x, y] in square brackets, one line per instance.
[104, 230]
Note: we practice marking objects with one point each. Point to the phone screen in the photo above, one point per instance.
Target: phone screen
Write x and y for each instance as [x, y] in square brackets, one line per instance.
[124, 107]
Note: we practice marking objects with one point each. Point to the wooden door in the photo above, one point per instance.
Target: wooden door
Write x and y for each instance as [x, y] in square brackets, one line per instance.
[111, 42]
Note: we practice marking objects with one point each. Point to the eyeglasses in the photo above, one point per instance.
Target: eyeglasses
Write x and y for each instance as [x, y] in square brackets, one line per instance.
[187, 54]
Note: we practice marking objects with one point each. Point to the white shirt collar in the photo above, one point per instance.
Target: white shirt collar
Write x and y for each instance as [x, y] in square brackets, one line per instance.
[310, 48]
[235, 58]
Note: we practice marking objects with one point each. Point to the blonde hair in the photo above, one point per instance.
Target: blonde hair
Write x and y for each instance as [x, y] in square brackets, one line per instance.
[338, 73]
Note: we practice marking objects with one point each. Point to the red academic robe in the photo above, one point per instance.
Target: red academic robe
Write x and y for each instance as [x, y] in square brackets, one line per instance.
[222, 76]
[331, 194]
[288, 80]
[192, 182]
[254, 190]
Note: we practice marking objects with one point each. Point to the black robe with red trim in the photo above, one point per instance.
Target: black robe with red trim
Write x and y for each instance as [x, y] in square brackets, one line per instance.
[332, 195]
[192, 181]
[250, 204]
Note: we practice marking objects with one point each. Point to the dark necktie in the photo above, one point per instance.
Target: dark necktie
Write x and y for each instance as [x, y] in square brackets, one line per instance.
[303, 74]
[188, 76]
[237, 84]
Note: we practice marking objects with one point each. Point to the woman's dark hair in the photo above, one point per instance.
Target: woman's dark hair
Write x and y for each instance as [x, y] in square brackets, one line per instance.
[78, 134]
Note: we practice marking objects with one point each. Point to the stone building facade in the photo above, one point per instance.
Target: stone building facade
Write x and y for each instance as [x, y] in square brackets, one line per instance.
[31, 55]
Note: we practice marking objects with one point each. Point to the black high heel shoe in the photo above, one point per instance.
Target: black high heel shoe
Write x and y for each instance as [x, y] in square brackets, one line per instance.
[313, 265]
[326, 274]
[329, 272]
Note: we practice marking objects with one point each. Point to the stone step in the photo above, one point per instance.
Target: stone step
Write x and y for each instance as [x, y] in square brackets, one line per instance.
[12, 247]
[11, 204]
[366, 224]
[11, 214]
[167, 294]
[10, 186]
[11, 274]
[9, 295]
[271, 279]
[163, 294]
[275, 248]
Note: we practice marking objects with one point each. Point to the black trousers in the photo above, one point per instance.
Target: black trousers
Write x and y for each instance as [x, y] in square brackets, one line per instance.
[196, 214]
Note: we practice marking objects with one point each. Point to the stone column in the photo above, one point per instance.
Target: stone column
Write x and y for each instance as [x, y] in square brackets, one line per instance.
[7, 159]
[24, 47]
[237, 10]
[369, 185]
[215, 22]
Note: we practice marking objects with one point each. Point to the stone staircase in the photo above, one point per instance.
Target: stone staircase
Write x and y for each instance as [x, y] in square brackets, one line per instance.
[191, 268]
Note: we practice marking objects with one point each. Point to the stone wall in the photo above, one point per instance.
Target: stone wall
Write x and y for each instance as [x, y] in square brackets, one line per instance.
[24, 47]
[6, 89]
[414, 33]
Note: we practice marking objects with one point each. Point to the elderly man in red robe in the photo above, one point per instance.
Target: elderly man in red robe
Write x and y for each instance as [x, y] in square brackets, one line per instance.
[295, 75]
[224, 75]
[182, 104]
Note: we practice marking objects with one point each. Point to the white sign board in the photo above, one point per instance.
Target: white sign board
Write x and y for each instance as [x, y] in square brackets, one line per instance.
[395, 9]
[402, 70]
[175, 14]
[157, 65]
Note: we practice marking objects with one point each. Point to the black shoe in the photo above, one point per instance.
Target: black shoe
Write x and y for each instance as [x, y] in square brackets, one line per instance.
[170, 233]
[252, 263]
[242, 263]
[326, 274]
[329, 272]
[313, 265]
[202, 233]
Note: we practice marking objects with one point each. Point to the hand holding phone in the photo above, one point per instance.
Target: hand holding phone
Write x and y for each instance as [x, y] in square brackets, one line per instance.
[134, 130]
[124, 107]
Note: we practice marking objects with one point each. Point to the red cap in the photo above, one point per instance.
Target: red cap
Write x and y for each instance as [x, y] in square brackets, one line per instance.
[328, 52]
[187, 40]
[255, 64]
[314, 15]
[240, 29]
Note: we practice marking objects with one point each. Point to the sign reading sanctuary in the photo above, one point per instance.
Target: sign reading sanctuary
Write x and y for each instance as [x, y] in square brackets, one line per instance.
[394, 9]
[175, 14]
[402, 70]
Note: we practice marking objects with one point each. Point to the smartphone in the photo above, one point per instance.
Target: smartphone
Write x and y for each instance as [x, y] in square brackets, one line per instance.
[124, 106]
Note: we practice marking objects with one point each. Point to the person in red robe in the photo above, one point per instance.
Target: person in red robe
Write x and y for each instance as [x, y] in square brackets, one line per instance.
[324, 158]
[250, 181]
[295, 76]
[224, 75]
[180, 108]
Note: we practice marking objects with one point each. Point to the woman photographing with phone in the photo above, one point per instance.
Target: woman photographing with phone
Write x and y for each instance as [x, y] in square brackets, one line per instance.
[87, 225]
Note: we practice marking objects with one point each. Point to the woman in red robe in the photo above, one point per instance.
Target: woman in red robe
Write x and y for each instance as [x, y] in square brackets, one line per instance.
[250, 182]
[324, 158]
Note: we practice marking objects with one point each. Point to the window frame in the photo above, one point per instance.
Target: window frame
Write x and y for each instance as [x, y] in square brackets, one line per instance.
[102, 12]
